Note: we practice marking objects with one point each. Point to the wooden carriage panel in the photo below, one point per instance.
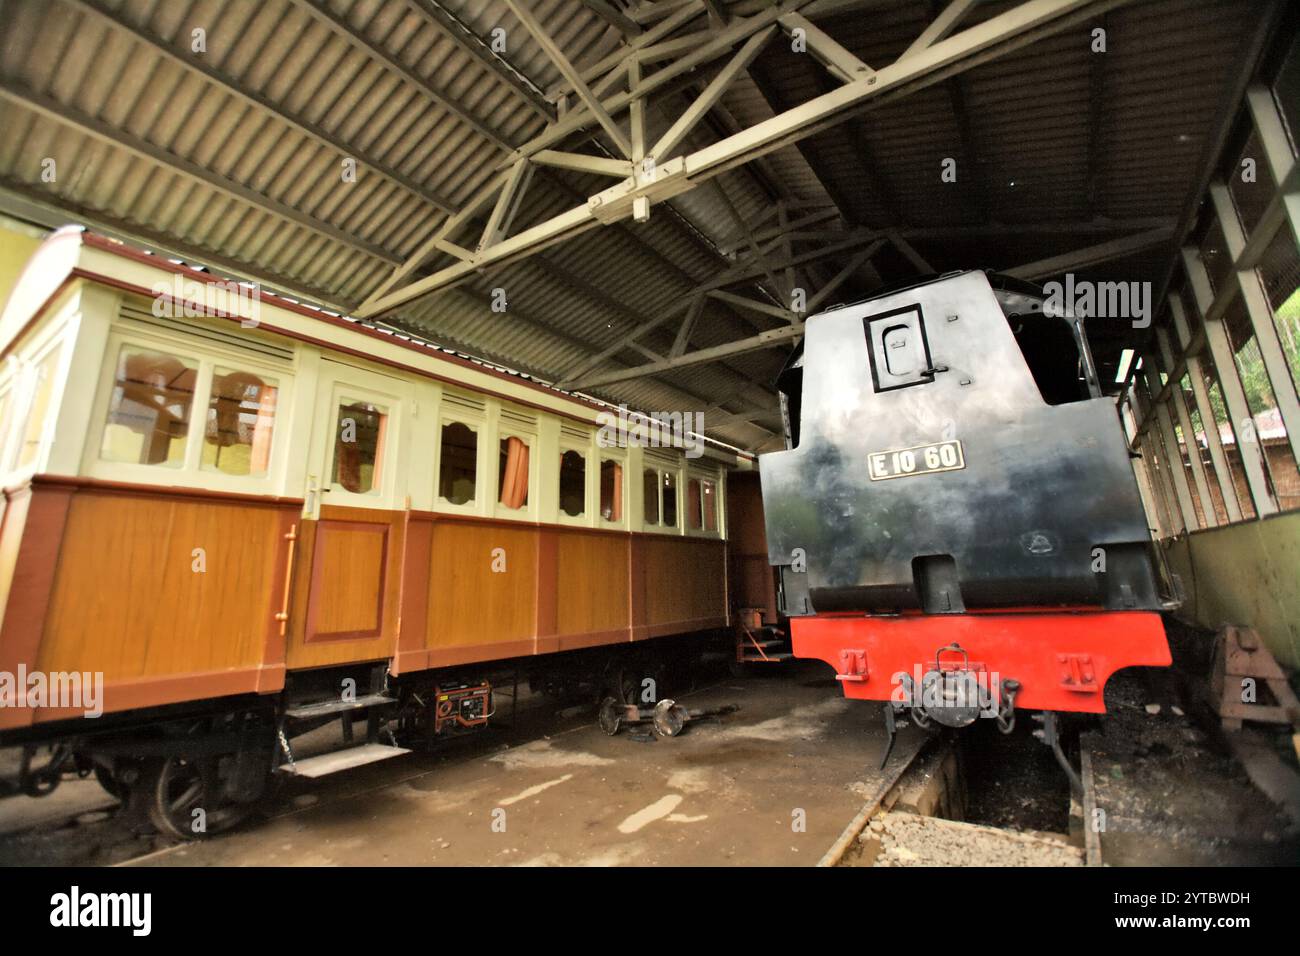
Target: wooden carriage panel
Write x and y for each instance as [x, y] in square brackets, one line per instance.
[680, 584]
[475, 612]
[170, 594]
[591, 588]
[347, 586]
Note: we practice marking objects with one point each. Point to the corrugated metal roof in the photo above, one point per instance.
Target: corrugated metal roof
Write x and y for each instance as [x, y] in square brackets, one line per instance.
[234, 156]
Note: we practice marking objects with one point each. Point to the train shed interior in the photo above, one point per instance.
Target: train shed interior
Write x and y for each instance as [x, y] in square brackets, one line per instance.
[525, 219]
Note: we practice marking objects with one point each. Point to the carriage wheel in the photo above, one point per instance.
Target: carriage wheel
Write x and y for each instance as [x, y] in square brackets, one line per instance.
[175, 787]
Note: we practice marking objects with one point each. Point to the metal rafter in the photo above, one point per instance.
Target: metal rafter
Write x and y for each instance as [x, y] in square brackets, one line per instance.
[977, 44]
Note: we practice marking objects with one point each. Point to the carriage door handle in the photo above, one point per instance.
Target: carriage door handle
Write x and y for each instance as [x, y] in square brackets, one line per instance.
[313, 491]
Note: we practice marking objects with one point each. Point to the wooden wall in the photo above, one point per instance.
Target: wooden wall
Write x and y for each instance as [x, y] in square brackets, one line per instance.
[478, 589]
[105, 581]
[170, 594]
[753, 580]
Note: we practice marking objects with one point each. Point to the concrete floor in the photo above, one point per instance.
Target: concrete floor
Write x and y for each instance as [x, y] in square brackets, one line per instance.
[560, 792]
[725, 791]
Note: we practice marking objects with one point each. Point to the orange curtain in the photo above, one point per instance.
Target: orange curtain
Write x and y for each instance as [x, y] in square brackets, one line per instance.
[514, 489]
[262, 429]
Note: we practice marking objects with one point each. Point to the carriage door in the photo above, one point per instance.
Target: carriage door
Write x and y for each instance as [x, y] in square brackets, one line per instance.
[354, 505]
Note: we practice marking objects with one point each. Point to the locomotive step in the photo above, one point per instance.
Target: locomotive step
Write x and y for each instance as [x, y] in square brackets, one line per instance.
[323, 707]
[337, 760]
[780, 656]
[764, 644]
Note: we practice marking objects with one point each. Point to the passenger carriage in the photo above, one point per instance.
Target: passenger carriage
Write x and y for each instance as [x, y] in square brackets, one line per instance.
[253, 517]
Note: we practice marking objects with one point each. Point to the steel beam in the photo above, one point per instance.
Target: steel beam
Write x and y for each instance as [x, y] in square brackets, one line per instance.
[976, 44]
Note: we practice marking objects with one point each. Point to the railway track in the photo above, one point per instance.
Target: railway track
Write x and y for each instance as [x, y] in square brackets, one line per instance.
[914, 818]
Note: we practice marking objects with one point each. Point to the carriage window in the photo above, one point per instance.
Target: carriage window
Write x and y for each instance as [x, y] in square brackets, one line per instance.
[694, 505]
[573, 484]
[40, 408]
[650, 483]
[359, 447]
[149, 411]
[670, 500]
[241, 418]
[459, 463]
[611, 490]
[710, 505]
[512, 480]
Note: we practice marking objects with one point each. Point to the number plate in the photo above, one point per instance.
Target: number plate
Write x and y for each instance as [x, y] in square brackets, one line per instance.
[919, 460]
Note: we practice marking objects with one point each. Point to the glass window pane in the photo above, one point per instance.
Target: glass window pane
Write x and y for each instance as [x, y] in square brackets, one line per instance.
[573, 484]
[512, 475]
[650, 484]
[670, 500]
[694, 505]
[611, 490]
[1269, 430]
[149, 410]
[710, 505]
[458, 466]
[241, 419]
[1202, 449]
[1227, 436]
[1280, 271]
[359, 447]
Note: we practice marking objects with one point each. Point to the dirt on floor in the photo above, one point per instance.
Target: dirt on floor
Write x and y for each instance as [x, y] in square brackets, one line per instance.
[773, 783]
[1170, 791]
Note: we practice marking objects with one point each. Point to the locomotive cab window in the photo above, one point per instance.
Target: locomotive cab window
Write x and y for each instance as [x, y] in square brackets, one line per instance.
[1054, 347]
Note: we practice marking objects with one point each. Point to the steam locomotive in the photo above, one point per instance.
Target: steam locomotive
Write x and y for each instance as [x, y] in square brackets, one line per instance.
[955, 521]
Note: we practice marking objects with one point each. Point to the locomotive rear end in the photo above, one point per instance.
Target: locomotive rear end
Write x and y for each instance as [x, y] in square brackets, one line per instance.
[956, 522]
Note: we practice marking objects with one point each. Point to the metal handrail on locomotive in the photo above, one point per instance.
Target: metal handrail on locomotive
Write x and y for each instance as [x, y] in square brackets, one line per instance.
[955, 521]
